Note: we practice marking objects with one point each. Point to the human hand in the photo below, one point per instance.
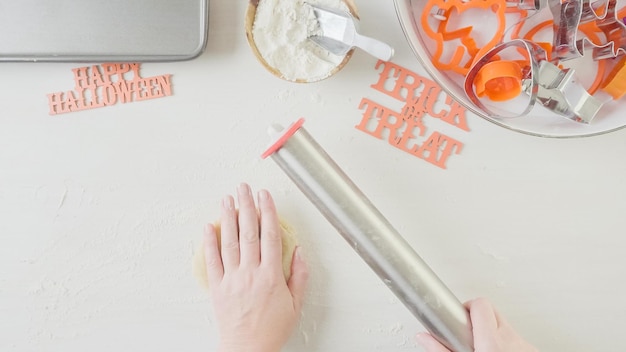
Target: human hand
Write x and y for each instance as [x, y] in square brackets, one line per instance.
[491, 332]
[256, 309]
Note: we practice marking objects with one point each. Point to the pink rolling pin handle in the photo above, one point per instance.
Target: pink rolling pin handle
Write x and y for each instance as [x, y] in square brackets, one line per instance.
[283, 138]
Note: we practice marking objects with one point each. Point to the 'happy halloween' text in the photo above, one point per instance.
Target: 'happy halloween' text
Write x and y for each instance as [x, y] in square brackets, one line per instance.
[108, 84]
[421, 97]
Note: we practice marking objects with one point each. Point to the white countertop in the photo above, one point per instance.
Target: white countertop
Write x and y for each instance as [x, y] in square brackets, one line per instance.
[101, 210]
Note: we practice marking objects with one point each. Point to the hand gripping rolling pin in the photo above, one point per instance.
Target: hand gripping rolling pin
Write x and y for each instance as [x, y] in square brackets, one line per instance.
[371, 235]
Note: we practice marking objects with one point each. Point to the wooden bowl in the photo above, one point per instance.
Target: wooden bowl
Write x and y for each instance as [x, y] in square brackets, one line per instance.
[249, 23]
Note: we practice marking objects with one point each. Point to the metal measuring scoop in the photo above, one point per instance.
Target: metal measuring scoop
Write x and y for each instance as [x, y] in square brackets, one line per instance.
[339, 34]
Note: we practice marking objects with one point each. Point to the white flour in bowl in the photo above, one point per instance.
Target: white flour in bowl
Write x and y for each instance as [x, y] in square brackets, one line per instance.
[280, 32]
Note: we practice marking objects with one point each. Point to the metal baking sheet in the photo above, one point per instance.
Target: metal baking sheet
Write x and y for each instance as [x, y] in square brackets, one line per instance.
[102, 30]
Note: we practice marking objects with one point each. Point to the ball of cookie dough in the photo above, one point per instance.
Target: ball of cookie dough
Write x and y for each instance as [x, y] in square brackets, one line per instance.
[288, 243]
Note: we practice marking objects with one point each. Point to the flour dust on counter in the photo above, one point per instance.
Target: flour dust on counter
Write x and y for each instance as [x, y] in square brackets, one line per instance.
[401, 338]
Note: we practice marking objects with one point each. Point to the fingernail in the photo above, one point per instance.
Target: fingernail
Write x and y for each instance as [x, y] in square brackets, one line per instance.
[243, 189]
[264, 194]
[228, 203]
[421, 338]
[298, 254]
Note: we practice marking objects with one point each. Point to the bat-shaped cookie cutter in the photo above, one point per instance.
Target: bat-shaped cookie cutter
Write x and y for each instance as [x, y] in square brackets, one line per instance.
[569, 15]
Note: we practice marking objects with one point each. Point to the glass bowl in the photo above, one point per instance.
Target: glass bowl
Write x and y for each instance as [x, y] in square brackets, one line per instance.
[540, 121]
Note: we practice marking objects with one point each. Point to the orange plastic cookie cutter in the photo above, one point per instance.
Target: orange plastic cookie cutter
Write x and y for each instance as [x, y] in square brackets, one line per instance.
[516, 28]
[442, 10]
[615, 84]
[499, 80]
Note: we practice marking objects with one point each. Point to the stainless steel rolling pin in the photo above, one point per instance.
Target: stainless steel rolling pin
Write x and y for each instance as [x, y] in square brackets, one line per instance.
[371, 235]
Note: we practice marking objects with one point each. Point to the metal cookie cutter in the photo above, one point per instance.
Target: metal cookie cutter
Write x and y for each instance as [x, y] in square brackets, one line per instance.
[559, 92]
[590, 30]
[570, 14]
[544, 82]
[527, 4]
[612, 27]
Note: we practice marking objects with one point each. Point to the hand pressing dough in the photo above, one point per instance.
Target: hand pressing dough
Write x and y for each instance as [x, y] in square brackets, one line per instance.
[289, 245]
